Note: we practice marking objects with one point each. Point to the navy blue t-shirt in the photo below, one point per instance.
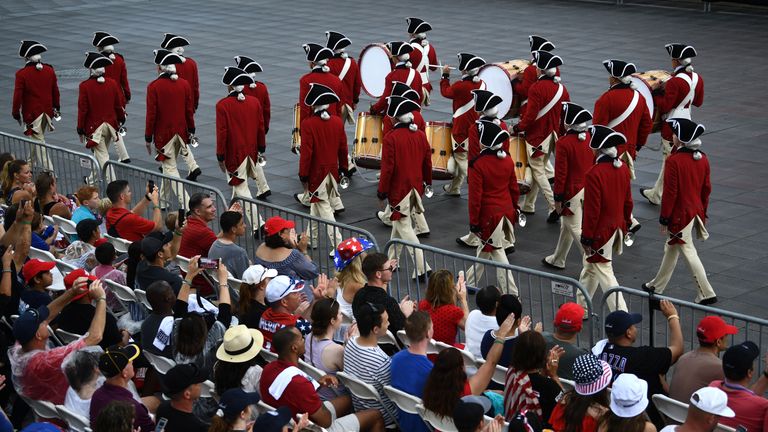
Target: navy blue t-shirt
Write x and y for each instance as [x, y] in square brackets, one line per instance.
[506, 354]
[33, 299]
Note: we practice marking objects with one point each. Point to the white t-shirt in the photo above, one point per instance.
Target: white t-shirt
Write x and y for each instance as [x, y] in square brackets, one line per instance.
[476, 326]
[670, 428]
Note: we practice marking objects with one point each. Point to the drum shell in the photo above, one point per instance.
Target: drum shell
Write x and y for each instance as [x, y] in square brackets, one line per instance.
[653, 80]
[296, 132]
[440, 140]
[368, 140]
[519, 153]
[363, 68]
[514, 70]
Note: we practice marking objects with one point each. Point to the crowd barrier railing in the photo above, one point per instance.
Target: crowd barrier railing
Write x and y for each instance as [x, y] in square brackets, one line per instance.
[72, 169]
[540, 293]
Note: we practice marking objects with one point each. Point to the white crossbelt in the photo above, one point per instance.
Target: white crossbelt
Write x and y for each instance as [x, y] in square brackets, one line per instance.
[627, 112]
[411, 76]
[680, 111]
[551, 103]
[469, 105]
[345, 69]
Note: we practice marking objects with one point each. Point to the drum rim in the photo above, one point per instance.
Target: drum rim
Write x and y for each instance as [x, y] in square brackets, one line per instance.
[509, 77]
[437, 123]
[360, 62]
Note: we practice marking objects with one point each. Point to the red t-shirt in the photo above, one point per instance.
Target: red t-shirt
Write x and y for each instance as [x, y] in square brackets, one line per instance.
[751, 410]
[300, 395]
[131, 227]
[445, 321]
[271, 322]
[557, 420]
[197, 240]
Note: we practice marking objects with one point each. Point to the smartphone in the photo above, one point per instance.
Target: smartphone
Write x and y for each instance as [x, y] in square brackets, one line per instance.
[22, 203]
[209, 264]
[160, 427]
[182, 216]
[151, 185]
[88, 284]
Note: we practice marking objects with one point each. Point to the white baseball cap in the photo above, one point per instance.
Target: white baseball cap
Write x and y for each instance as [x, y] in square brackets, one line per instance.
[279, 287]
[629, 396]
[712, 400]
[254, 274]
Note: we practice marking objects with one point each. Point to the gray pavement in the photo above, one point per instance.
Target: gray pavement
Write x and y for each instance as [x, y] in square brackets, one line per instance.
[731, 60]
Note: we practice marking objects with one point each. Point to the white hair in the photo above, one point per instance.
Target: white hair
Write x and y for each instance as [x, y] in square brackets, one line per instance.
[324, 109]
[492, 111]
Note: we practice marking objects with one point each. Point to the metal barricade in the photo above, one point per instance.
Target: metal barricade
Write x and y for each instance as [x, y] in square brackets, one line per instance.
[540, 293]
[325, 235]
[73, 169]
[653, 330]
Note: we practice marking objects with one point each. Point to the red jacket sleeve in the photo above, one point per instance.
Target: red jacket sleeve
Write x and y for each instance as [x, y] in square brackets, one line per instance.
[119, 104]
[561, 172]
[221, 132]
[18, 95]
[600, 115]
[381, 105]
[534, 106]
[149, 130]
[525, 84]
[426, 167]
[671, 189]
[432, 57]
[628, 203]
[646, 124]
[387, 165]
[266, 109]
[305, 156]
[592, 199]
[261, 140]
[514, 192]
[82, 110]
[303, 108]
[190, 108]
[698, 97]
[126, 88]
[343, 151]
[446, 89]
[666, 101]
[475, 183]
[195, 87]
[357, 84]
[707, 188]
[55, 93]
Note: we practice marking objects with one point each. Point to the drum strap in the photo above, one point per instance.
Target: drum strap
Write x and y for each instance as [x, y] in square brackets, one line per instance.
[551, 103]
[411, 76]
[627, 112]
[345, 69]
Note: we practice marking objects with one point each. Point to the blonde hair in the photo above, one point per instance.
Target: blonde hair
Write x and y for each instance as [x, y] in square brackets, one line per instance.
[440, 290]
[352, 273]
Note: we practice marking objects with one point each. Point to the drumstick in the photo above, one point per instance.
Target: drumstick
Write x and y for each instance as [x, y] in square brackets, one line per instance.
[442, 66]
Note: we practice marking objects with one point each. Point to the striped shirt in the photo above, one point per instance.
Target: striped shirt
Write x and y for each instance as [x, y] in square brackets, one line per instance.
[372, 366]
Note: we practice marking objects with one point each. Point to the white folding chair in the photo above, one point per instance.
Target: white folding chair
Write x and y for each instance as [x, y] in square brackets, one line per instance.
[182, 262]
[365, 391]
[141, 296]
[66, 226]
[232, 282]
[207, 389]
[53, 338]
[406, 402]
[48, 220]
[445, 424]
[67, 337]
[42, 409]
[268, 355]
[724, 428]
[671, 408]
[124, 294]
[35, 253]
[404, 338]
[121, 245]
[346, 319]
[311, 370]
[499, 375]
[65, 267]
[75, 422]
[567, 384]
[161, 364]
[388, 339]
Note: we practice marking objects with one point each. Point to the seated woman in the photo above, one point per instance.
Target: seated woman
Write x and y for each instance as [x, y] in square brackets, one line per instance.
[82, 371]
[49, 202]
[17, 182]
[348, 259]
[320, 350]
[627, 414]
[238, 357]
[440, 302]
[286, 252]
[580, 409]
[252, 301]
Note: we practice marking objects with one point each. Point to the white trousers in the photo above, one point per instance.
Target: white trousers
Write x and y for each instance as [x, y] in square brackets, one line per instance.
[594, 275]
[104, 135]
[420, 225]
[459, 174]
[402, 229]
[171, 151]
[570, 231]
[540, 178]
[654, 194]
[505, 279]
[40, 126]
[186, 155]
[246, 170]
[323, 208]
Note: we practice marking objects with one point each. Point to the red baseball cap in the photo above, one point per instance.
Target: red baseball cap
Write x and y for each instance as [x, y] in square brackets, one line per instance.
[34, 267]
[100, 242]
[712, 328]
[275, 224]
[569, 317]
[71, 277]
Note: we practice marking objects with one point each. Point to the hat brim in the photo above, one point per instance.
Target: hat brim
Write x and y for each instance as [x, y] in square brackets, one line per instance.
[632, 411]
[258, 344]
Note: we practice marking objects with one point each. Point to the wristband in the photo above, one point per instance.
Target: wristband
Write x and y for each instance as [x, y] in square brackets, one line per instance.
[25, 222]
[669, 318]
[177, 232]
[224, 286]
[186, 282]
[147, 197]
[499, 341]
[101, 299]
[7, 271]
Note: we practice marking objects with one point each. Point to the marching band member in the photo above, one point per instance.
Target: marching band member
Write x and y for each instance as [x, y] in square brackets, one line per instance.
[684, 208]
[423, 54]
[100, 109]
[623, 109]
[464, 116]
[676, 98]
[117, 71]
[239, 135]
[493, 207]
[530, 74]
[541, 123]
[346, 68]
[36, 97]
[402, 72]
[323, 157]
[606, 213]
[406, 170]
[574, 159]
[170, 120]
[318, 57]
[186, 70]
[258, 90]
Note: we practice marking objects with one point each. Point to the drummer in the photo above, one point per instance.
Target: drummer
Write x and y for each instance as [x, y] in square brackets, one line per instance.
[574, 159]
[406, 170]
[541, 123]
[521, 87]
[493, 203]
[675, 99]
[346, 68]
[403, 72]
[318, 57]
[423, 54]
[464, 116]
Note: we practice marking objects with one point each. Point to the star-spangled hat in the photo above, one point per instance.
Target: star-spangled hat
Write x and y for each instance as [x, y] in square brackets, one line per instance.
[546, 60]
[101, 39]
[248, 64]
[335, 40]
[605, 137]
[538, 43]
[171, 41]
[348, 250]
[417, 25]
[234, 76]
[404, 90]
[485, 99]
[94, 60]
[164, 57]
[398, 48]
[590, 374]
[29, 48]
[399, 105]
[469, 61]
[680, 50]
[574, 114]
[686, 130]
[319, 94]
[619, 68]
[491, 134]
[316, 52]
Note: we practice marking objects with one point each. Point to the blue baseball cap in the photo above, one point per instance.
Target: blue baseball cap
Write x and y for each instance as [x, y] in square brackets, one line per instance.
[234, 401]
[273, 421]
[617, 322]
[26, 325]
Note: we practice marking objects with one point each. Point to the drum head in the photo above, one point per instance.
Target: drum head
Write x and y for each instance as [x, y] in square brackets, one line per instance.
[374, 67]
[497, 81]
[644, 90]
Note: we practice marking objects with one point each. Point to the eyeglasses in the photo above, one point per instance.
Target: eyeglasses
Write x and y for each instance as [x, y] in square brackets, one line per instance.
[391, 268]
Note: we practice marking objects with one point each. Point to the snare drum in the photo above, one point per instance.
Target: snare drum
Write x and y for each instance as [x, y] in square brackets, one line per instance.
[439, 137]
[647, 82]
[296, 132]
[519, 154]
[368, 140]
[375, 64]
[498, 78]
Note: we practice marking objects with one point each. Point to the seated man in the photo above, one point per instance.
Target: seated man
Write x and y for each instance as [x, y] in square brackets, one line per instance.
[36, 368]
[568, 323]
[226, 248]
[746, 401]
[182, 384]
[411, 367]
[482, 319]
[508, 305]
[706, 407]
[81, 252]
[158, 250]
[284, 384]
[284, 297]
[128, 224]
[38, 277]
[378, 268]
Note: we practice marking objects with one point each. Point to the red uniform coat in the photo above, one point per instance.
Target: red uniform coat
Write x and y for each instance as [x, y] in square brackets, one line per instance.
[539, 96]
[35, 92]
[675, 90]
[686, 190]
[460, 93]
[607, 204]
[239, 130]
[99, 103]
[635, 128]
[399, 73]
[474, 138]
[170, 111]
[406, 164]
[493, 193]
[574, 159]
[415, 59]
[188, 71]
[352, 80]
[327, 79]
[520, 87]
[323, 150]
[118, 72]
[260, 92]
[388, 123]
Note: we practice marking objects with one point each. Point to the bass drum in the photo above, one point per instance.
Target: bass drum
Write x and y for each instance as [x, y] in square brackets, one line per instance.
[439, 137]
[368, 141]
[375, 64]
[498, 79]
[646, 83]
[519, 154]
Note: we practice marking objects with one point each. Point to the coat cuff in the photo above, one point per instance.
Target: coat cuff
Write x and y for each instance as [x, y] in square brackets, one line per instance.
[191, 131]
[664, 220]
[559, 197]
[381, 195]
[304, 179]
[220, 158]
[475, 228]
[262, 150]
[586, 241]
[80, 131]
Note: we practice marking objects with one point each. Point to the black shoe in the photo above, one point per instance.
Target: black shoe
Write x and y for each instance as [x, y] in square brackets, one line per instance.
[642, 193]
[551, 181]
[264, 195]
[528, 213]
[645, 288]
[423, 235]
[339, 211]
[422, 278]
[510, 250]
[708, 301]
[126, 161]
[553, 217]
[85, 179]
[160, 168]
[297, 197]
[550, 265]
[194, 174]
[462, 243]
[655, 303]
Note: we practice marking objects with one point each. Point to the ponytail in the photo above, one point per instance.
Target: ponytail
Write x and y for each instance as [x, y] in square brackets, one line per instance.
[10, 169]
